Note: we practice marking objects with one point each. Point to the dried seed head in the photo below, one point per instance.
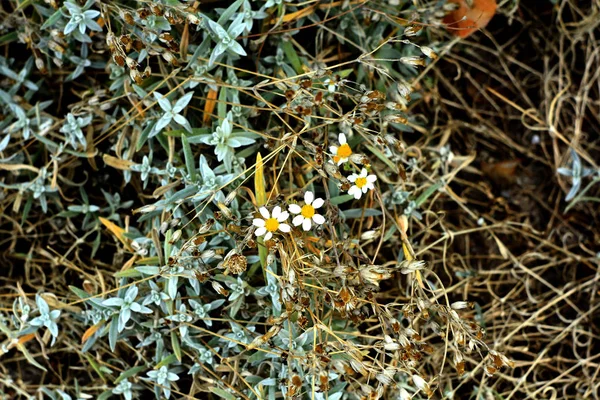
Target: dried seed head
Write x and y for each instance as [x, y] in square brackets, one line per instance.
[235, 264]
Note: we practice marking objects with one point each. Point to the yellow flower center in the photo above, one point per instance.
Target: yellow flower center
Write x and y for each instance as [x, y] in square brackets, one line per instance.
[307, 211]
[272, 224]
[360, 182]
[344, 151]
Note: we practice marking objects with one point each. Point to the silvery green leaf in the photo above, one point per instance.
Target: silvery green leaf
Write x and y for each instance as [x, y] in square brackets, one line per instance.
[181, 120]
[237, 27]
[113, 333]
[182, 102]
[4, 142]
[42, 305]
[238, 49]
[113, 302]
[162, 122]
[574, 189]
[131, 293]
[163, 102]
[148, 270]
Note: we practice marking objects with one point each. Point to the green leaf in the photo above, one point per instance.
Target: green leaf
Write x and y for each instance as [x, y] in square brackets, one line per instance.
[79, 293]
[189, 158]
[176, 345]
[130, 372]
[52, 19]
[428, 192]
[341, 199]
[128, 273]
[222, 104]
[148, 270]
[29, 357]
[106, 395]
[222, 393]
[166, 361]
[95, 366]
[9, 37]
[382, 157]
[113, 333]
[228, 13]
[292, 56]
[183, 132]
[359, 212]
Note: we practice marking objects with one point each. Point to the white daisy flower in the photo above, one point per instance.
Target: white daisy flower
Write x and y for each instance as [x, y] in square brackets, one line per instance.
[341, 153]
[270, 223]
[307, 214]
[362, 183]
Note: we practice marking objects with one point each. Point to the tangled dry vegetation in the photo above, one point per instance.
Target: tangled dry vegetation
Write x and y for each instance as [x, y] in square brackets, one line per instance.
[325, 200]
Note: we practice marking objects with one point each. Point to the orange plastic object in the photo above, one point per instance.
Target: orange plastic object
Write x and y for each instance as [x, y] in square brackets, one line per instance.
[475, 17]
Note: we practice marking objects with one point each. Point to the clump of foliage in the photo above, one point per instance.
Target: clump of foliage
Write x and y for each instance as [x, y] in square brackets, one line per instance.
[210, 201]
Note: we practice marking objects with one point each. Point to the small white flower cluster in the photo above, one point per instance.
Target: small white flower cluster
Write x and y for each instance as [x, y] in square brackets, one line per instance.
[275, 220]
[362, 182]
[307, 214]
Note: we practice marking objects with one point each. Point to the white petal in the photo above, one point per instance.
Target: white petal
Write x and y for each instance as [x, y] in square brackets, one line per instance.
[258, 222]
[260, 231]
[333, 149]
[276, 212]
[318, 219]
[342, 138]
[371, 178]
[318, 203]
[298, 219]
[309, 197]
[355, 191]
[264, 212]
[284, 228]
[268, 236]
[283, 216]
[341, 161]
[294, 208]
[363, 173]
[306, 224]
[352, 178]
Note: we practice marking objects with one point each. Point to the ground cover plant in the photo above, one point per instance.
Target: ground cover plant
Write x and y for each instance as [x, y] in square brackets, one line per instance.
[280, 199]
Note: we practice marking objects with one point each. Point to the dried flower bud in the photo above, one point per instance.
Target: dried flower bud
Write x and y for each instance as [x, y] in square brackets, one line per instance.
[217, 287]
[429, 52]
[358, 158]
[41, 65]
[131, 63]
[459, 305]
[413, 60]
[422, 385]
